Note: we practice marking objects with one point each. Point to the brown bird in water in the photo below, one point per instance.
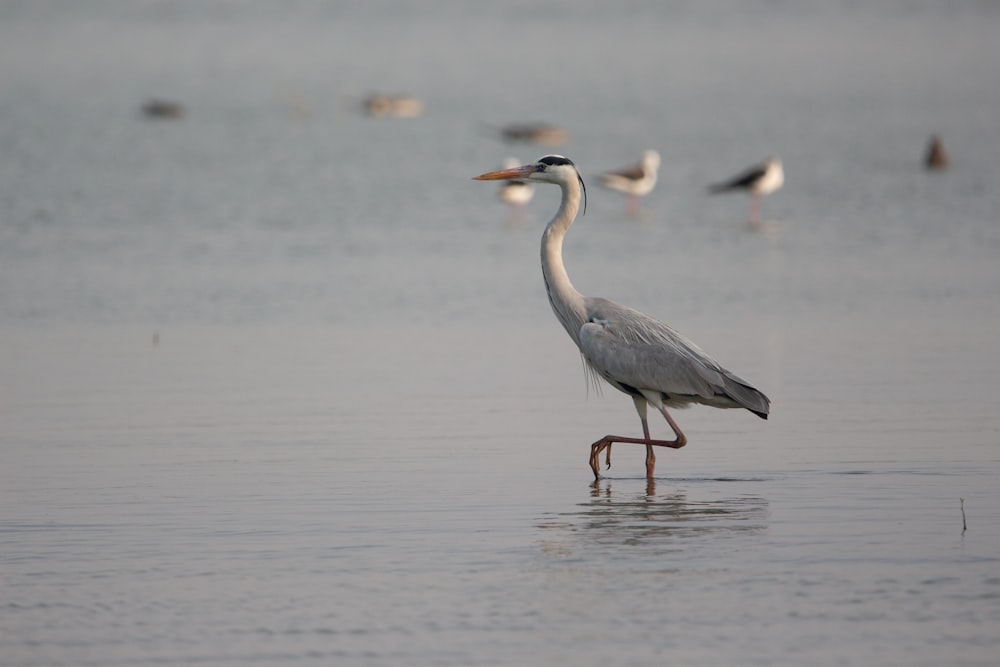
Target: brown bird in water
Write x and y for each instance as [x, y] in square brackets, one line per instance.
[936, 158]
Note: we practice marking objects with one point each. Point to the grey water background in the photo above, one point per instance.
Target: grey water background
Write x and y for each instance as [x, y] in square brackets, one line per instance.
[361, 437]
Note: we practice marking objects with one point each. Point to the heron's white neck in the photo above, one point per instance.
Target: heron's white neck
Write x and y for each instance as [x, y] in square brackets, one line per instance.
[566, 302]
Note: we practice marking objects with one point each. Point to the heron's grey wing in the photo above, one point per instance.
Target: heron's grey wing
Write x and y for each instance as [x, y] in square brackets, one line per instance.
[743, 180]
[633, 350]
[636, 350]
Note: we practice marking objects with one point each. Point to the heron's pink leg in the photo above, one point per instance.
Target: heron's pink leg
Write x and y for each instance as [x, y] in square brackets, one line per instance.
[605, 442]
[650, 456]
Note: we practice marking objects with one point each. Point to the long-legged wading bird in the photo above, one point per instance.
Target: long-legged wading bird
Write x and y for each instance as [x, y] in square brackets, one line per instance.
[635, 181]
[760, 179]
[515, 193]
[634, 353]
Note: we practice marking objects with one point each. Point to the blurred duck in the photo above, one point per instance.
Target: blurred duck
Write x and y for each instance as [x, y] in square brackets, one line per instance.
[162, 109]
[635, 181]
[758, 180]
[535, 133]
[393, 106]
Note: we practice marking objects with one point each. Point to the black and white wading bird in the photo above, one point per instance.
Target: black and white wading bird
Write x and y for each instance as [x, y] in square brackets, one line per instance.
[632, 352]
[760, 179]
[635, 181]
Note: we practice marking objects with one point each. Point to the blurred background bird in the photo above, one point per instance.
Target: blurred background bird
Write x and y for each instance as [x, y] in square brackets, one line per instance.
[635, 181]
[515, 193]
[392, 106]
[543, 134]
[935, 158]
[759, 180]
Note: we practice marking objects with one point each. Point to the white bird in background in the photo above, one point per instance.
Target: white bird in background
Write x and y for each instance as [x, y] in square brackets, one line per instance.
[515, 193]
[632, 352]
[635, 181]
[758, 180]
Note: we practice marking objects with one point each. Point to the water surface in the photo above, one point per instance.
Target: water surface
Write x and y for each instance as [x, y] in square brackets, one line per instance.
[279, 383]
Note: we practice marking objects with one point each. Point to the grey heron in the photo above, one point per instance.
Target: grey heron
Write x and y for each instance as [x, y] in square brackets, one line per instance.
[635, 181]
[634, 353]
[760, 179]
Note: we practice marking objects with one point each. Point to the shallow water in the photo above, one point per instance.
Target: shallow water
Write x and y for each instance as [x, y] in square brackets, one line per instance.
[279, 384]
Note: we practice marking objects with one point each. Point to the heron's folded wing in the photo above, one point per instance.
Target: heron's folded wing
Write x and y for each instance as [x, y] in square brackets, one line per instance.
[630, 348]
[665, 365]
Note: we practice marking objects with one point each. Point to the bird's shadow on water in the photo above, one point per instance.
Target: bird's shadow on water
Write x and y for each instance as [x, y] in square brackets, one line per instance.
[631, 513]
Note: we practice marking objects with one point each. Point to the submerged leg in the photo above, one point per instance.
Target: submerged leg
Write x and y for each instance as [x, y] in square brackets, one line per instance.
[650, 456]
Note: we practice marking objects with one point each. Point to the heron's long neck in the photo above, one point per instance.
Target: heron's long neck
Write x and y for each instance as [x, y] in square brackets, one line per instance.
[566, 302]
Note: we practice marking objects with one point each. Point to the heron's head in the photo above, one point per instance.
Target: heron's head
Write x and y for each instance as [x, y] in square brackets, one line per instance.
[549, 169]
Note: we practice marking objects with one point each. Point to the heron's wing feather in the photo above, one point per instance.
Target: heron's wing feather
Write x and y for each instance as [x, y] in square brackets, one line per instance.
[644, 353]
[632, 349]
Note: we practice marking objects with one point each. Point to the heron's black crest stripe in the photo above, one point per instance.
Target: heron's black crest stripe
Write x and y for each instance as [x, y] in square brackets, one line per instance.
[553, 160]
[556, 159]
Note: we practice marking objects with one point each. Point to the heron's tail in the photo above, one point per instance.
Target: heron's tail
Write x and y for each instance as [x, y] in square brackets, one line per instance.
[747, 395]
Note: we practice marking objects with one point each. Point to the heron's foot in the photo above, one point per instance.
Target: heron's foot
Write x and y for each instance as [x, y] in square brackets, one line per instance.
[605, 443]
[595, 455]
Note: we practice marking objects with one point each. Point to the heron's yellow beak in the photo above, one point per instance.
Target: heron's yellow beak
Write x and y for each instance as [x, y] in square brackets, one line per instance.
[515, 174]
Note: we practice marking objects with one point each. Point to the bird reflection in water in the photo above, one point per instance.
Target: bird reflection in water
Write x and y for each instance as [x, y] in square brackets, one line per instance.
[642, 518]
